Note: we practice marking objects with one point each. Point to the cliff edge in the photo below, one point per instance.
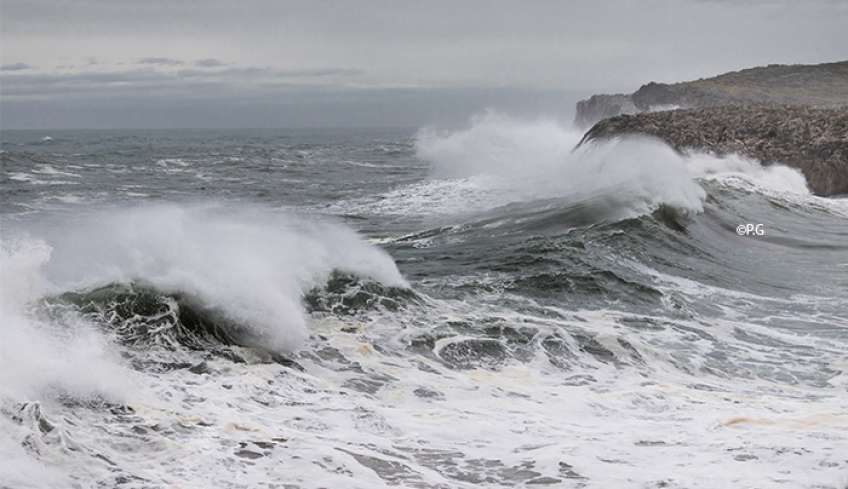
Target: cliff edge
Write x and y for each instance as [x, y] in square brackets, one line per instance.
[821, 85]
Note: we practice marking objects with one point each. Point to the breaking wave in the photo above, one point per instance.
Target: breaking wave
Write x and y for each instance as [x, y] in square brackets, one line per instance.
[166, 274]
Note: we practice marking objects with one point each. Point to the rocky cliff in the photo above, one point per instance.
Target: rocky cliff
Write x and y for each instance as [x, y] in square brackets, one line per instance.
[599, 107]
[813, 140]
[822, 85]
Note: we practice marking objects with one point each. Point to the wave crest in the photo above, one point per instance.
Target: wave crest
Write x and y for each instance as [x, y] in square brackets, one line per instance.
[513, 161]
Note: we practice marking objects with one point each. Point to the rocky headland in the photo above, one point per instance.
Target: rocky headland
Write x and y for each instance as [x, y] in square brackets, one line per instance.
[822, 85]
[795, 115]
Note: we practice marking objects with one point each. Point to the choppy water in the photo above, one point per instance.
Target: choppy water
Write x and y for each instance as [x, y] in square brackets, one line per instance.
[374, 308]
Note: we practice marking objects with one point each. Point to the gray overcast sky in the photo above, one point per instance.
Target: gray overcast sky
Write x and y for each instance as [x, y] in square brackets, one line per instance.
[186, 63]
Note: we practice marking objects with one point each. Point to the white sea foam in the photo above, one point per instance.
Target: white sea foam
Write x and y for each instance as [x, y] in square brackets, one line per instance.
[775, 180]
[597, 424]
[165, 162]
[27, 177]
[18, 468]
[748, 174]
[39, 351]
[50, 170]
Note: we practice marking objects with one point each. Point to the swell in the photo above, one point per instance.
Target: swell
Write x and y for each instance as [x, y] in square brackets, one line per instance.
[587, 253]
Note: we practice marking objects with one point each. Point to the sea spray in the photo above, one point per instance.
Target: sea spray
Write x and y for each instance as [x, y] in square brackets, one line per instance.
[530, 160]
[56, 352]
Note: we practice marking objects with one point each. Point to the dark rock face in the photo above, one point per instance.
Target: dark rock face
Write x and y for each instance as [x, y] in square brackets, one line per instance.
[813, 140]
[599, 107]
[657, 94]
[823, 85]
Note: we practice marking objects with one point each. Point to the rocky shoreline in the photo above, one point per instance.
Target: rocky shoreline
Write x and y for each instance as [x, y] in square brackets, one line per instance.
[813, 140]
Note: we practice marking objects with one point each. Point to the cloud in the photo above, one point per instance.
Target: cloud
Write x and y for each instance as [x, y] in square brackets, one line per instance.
[319, 72]
[255, 72]
[160, 61]
[209, 63]
[587, 45]
[293, 106]
[60, 84]
[153, 80]
[15, 67]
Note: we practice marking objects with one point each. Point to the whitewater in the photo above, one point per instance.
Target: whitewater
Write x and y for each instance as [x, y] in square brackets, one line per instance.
[488, 306]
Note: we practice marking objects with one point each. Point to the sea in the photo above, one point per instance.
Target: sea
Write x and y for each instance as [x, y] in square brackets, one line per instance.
[481, 306]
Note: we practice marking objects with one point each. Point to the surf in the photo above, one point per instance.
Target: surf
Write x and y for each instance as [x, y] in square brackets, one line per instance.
[241, 272]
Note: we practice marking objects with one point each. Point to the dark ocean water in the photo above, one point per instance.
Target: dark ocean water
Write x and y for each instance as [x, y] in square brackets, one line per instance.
[397, 308]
